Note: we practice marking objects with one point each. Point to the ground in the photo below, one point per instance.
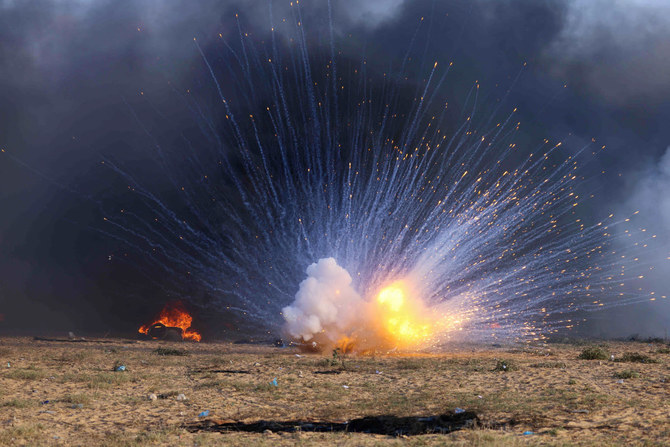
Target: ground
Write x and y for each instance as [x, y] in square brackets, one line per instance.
[67, 393]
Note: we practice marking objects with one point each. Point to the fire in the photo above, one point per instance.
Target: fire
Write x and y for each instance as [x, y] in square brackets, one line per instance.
[345, 345]
[174, 315]
[402, 321]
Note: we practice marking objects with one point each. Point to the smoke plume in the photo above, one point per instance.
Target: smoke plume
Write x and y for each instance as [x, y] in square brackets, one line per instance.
[326, 303]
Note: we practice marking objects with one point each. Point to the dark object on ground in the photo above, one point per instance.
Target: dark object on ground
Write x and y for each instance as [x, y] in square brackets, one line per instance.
[170, 351]
[382, 425]
[329, 371]
[263, 341]
[78, 340]
[158, 331]
[167, 395]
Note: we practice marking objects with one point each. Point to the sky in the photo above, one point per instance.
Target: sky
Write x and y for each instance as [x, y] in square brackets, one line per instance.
[71, 72]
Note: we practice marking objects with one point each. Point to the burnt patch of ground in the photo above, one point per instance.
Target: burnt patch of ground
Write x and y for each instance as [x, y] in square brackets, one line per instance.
[389, 425]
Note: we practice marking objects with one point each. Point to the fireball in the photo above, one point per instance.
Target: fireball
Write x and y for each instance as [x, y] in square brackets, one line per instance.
[174, 315]
[401, 318]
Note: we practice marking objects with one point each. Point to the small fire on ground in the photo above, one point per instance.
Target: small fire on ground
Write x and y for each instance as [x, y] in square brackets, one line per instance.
[174, 315]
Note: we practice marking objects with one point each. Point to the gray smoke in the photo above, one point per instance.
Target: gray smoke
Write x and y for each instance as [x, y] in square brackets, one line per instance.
[618, 49]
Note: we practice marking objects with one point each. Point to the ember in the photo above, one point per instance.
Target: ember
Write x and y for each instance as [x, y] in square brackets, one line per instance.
[173, 315]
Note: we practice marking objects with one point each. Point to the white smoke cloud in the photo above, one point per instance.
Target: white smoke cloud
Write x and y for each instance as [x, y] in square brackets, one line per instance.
[326, 303]
[371, 13]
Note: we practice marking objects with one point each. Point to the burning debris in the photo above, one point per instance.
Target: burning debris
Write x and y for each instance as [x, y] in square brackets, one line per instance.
[173, 323]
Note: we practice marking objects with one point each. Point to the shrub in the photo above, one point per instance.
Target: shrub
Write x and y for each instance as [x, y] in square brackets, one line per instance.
[627, 374]
[635, 357]
[505, 365]
[549, 365]
[594, 353]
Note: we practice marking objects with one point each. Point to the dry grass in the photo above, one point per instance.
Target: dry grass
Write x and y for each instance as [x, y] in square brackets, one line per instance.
[548, 390]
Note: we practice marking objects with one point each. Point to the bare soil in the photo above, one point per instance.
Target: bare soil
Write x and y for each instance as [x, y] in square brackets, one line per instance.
[59, 392]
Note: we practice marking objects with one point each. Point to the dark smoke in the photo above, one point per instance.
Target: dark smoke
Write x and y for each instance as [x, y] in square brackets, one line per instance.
[69, 68]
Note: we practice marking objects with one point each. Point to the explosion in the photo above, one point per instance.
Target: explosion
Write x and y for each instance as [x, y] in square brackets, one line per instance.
[329, 313]
[402, 320]
[422, 228]
[174, 315]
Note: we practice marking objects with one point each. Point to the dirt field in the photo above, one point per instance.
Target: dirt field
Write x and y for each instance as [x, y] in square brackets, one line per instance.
[67, 393]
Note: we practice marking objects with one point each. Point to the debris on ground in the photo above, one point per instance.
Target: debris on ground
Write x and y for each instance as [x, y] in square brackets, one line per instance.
[204, 414]
[274, 382]
[152, 396]
[181, 397]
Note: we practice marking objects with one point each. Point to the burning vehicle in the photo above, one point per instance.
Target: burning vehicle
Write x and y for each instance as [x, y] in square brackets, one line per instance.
[173, 323]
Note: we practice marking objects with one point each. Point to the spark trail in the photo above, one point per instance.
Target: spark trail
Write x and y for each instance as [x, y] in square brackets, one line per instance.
[303, 156]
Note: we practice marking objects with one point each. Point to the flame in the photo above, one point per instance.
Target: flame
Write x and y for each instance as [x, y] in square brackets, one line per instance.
[346, 344]
[174, 315]
[401, 320]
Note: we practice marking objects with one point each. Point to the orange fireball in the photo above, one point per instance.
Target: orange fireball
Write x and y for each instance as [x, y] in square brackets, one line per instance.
[175, 315]
[401, 318]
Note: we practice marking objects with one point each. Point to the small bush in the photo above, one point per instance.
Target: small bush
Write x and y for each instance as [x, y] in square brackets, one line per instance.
[170, 351]
[635, 357]
[18, 403]
[26, 374]
[594, 353]
[75, 399]
[549, 365]
[505, 365]
[627, 374]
